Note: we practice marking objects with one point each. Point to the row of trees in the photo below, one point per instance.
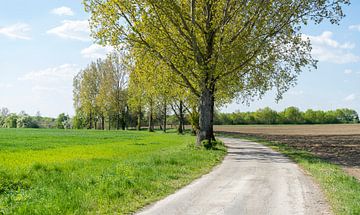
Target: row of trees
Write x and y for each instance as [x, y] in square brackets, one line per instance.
[290, 115]
[100, 94]
[116, 93]
[208, 51]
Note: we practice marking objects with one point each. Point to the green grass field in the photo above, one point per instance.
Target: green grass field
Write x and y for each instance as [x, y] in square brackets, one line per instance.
[94, 172]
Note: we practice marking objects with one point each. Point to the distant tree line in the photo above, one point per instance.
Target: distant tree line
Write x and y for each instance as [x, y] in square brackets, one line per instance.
[24, 120]
[291, 115]
[138, 120]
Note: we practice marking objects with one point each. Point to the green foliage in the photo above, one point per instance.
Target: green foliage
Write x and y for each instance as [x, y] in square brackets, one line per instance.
[290, 115]
[347, 115]
[23, 120]
[100, 93]
[26, 121]
[79, 121]
[266, 116]
[62, 121]
[47, 171]
[11, 121]
[228, 47]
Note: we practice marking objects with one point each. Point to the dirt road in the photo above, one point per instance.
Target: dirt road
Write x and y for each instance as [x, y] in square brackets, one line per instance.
[253, 179]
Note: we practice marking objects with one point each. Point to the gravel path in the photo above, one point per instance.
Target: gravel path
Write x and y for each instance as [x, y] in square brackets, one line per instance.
[253, 179]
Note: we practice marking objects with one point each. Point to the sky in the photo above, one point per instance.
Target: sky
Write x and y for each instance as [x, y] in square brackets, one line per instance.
[45, 43]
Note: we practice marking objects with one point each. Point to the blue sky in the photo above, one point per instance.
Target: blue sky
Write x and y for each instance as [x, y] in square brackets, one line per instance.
[45, 43]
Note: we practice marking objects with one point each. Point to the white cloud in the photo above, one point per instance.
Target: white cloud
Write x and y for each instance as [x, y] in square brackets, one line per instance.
[348, 71]
[48, 90]
[72, 29]
[96, 51]
[65, 72]
[63, 11]
[327, 49]
[16, 31]
[354, 27]
[350, 98]
[325, 39]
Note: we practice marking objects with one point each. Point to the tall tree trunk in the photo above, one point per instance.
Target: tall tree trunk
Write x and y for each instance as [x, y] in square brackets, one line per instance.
[181, 118]
[95, 123]
[138, 126]
[123, 119]
[117, 121]
[102, 123]
[165, 113]
[90, 121]
[206, 111]
[109, 122]
[151, 120]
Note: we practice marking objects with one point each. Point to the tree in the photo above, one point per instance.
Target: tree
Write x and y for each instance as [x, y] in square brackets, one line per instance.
[135, 100]
[120, 73]
[100, 92]
[11, 121]
[292, 115]
[4, 112]
[79, 120]
[62, 121]
[144, 86]
[347, 115]
[266, 116]
[218, 49]
[179, 111]
[26, 121]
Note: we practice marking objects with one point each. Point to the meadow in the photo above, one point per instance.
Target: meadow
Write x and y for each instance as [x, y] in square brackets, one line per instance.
[94, 172]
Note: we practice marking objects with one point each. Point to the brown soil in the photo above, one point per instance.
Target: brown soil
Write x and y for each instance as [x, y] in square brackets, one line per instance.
[306, 130]
[337, 143]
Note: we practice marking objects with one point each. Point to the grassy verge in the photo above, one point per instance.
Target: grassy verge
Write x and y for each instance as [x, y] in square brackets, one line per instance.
[94, 172]
[341, 190]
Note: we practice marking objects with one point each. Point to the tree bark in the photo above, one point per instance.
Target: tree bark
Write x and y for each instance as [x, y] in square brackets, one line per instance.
[117, 121]
[102, 123]
[90, 121]
[206, 111]
[151, 120]
[123, 121]
[124, 118]
[181, 118]
[164, 121]
[138, 126]
[109, 122]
